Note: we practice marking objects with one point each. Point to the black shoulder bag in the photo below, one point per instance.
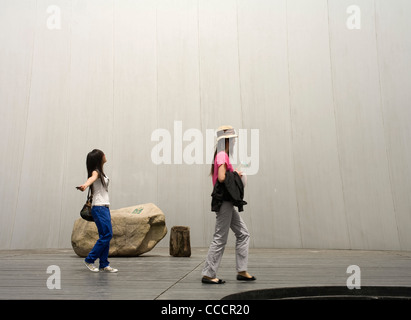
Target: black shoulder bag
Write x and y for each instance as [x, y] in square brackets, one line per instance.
[85, 213]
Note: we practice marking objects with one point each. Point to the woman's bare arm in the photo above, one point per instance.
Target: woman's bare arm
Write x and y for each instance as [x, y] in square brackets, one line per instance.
[221, 173]
[89, 181]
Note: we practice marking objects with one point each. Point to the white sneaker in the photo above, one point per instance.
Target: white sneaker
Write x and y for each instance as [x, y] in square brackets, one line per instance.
[109, 269]
[91, 267]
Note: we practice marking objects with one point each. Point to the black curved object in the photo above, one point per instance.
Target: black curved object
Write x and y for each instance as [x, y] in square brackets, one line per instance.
[325, 293]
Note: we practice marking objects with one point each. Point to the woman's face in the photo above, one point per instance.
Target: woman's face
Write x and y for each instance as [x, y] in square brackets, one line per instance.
[104, 159]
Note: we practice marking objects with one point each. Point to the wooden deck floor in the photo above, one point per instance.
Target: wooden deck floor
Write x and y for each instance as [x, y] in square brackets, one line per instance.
[156, 275]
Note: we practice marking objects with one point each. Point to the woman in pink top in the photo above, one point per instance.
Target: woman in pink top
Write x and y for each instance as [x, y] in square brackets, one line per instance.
[227, 217]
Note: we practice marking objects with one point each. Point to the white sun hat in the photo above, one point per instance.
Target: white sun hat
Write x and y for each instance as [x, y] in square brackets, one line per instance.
[226, 132]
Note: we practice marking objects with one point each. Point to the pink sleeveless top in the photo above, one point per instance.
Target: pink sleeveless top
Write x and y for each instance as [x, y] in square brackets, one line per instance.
[220, 159]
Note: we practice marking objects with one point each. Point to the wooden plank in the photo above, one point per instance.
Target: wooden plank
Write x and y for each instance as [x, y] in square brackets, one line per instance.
[90, 114]
[179, 110]
[394, 52]
[360, 129]
[14, 77]
[135, 103]
[160, 276]
[219, 82]
[45, 135]
[318, 181]
[219, 66]
[271, 213]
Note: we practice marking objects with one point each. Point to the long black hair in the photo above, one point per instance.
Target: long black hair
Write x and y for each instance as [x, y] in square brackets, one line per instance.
[222, 145]
[94, 162]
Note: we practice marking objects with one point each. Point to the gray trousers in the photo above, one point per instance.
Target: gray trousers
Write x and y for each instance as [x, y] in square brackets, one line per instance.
[227, 218]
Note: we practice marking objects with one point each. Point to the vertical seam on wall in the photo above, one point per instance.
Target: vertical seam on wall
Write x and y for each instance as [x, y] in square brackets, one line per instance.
[291, 126]
[241, 98]
[239, 66]
[157, 114]
[64, 178]
[199, 65]
[113, 99]
[383, 124]
[336, 129]
[201, 111]
[25, 130]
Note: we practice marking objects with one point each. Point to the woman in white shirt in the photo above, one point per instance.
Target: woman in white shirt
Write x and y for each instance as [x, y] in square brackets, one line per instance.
[98, 182]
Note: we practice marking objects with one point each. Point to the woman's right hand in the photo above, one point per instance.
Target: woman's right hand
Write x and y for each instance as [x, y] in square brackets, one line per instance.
[82, 187]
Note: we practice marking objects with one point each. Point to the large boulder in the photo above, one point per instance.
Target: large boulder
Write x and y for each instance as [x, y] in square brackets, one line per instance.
[136, 230]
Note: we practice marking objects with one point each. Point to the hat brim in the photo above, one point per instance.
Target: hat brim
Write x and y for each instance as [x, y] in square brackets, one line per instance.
[228, 136]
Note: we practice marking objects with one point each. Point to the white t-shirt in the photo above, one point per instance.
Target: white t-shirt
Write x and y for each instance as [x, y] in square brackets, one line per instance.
[100, 193]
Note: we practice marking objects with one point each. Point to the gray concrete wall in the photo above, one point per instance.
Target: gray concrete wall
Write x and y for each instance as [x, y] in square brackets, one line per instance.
[331, 105]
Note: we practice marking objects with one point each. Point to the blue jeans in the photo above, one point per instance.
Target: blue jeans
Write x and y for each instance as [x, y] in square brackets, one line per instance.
[102, 218]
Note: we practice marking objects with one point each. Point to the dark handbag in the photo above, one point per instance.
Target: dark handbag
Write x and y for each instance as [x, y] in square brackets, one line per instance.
[85, 213]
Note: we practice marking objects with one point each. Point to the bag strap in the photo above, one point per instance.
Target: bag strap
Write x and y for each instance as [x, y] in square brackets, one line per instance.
[89, 194]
